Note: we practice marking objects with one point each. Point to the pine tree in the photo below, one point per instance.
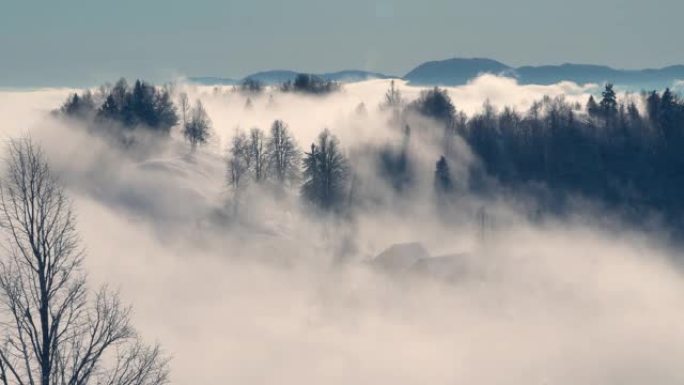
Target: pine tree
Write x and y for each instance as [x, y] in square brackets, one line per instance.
[592, 107]
[443, 183]
[79, 106]
[395, 164]
[197, 127]
[653, 106]
[142, 105]
[393, 97]
[165, 112]
[110, 109]
[436, 104]
[608, 105]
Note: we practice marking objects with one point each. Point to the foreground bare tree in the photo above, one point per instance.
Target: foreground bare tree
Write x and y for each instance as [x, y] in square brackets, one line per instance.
[51, 330]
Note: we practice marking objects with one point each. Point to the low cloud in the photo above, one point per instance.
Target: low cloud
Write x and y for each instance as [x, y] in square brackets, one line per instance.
[263, 296]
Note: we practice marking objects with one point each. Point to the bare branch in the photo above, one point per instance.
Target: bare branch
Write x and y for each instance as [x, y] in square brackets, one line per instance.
[52, 333]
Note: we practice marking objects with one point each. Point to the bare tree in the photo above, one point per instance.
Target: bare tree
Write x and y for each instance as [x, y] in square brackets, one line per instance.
[393, 99]
[239, 161]
[258, 152]
[184, 106]
[53, 332]
[197, 129]
[284, 157]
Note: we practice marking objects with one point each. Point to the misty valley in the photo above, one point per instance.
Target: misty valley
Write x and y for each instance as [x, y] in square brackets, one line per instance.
[316, 229]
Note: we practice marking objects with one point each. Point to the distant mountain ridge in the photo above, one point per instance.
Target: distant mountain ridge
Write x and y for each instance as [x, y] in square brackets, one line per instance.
[459, 71]
[213, 80]
[454, 72]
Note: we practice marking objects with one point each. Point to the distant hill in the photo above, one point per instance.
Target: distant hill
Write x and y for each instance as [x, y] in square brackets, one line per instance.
[458, 71]
[213, 81]
[453, 72]
[350, 76]
[272, 77]
[579, 73]
[281, 76]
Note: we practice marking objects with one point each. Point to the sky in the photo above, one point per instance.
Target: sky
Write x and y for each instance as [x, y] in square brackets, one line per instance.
[84, 42]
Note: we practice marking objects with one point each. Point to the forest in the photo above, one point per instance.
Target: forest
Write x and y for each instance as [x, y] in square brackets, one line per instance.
[623, 154]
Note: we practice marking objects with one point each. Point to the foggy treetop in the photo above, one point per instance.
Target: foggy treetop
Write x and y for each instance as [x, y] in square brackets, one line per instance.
[623, 153]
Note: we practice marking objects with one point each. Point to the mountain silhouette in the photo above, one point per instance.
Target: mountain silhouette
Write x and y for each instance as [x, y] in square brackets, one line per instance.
[459, 71]
[213, 80]
[454, 72]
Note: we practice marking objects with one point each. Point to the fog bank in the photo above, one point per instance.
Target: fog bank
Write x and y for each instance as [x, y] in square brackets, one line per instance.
[276, 293]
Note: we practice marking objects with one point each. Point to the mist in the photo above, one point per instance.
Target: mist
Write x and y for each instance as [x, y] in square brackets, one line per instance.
[273, 292]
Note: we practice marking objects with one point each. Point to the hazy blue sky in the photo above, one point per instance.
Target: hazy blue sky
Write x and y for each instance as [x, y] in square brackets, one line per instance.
[87, 41]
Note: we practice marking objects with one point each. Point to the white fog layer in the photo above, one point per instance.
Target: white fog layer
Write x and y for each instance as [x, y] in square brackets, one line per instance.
[261, 290]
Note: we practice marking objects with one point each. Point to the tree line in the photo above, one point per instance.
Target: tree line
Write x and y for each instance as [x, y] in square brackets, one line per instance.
[141, 105]
[276, 160]
[623, 152]
[302, 83]
[310, 84]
